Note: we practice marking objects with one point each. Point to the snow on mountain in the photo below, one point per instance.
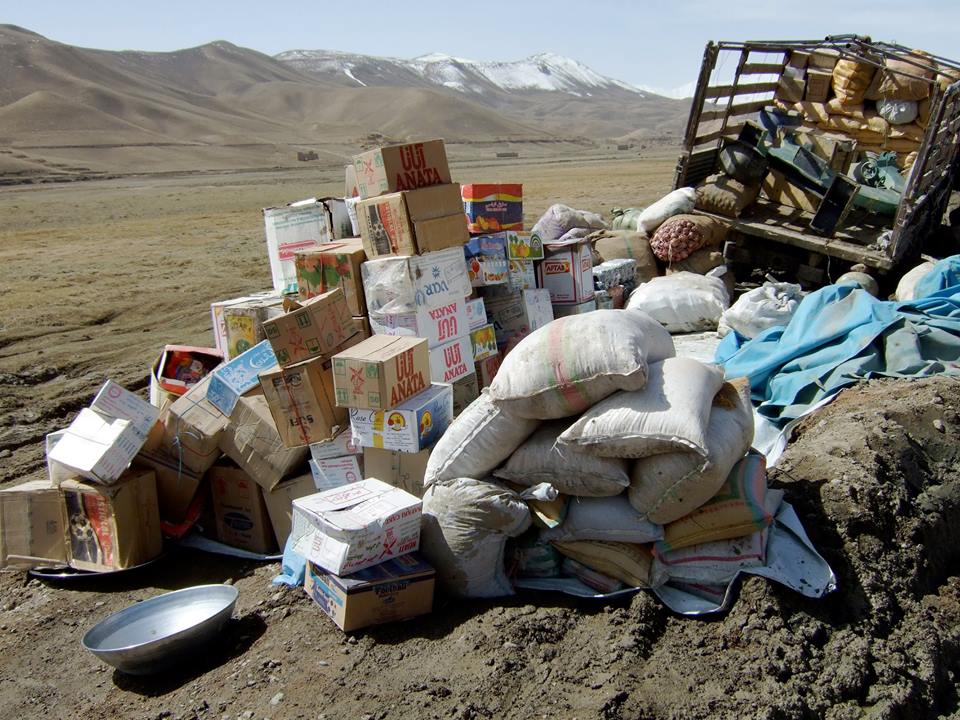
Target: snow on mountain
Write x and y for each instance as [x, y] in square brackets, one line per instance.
[544, 71]
[678, 93]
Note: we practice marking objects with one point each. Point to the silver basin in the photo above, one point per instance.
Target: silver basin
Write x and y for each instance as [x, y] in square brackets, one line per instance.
[153, 635]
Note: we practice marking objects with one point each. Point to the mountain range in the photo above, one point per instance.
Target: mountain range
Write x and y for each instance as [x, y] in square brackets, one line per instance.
[203, 101]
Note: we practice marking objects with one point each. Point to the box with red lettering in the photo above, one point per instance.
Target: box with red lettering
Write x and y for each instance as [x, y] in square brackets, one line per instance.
[401, 167]
[438, 324]
[381, 372]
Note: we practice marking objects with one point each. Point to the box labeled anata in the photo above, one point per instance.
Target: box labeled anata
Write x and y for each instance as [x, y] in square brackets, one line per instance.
[409, 427]
[492, 207]
[318, 326]
[567, 272]
[451, 361]
[401, 167]
[298, 226]
[303, 402]
[437, 324]
[484, 342]
[335, 265]
[402, 284]
[356, 526]
[381, 372]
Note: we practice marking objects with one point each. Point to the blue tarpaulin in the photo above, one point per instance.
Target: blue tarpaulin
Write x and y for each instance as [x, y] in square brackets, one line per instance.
[840, 335]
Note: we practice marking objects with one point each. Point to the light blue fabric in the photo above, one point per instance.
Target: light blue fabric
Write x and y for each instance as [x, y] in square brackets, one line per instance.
[945, 274]
[840, 335]
[293, 570]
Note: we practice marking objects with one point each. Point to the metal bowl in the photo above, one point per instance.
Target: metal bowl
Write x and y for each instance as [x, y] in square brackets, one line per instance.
[153, 635]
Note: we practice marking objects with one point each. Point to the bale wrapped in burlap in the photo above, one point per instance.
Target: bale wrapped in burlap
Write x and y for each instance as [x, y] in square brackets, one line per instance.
[903, 80]
[682, 235]
[629, 245]
[725, 196]
[851, 79]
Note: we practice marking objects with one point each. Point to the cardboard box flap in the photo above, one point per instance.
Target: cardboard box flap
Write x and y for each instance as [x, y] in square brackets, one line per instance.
[434, 201]
[115, 401]
[32, 525]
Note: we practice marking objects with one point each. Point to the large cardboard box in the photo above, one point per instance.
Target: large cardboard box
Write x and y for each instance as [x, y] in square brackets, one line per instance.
[401, 167]
[398, 589]
[486, 257]
[318, 326]
[192, 429]
[818, 85]
[451, 361]
[179, 368]
[298, 226]
[407, 223]
[403, 284]
[465, 391]
[234, 379]
[336, 472]
[241, 322]
[400, 469]
[177, 484]
[409, 427]
[381, 372]
[280, 504]
[779, 189]
[240, 510]
[252, 441]
[438, 324]
[115, 401]
[567, 272]
[435, 234]
[492, 207]
[302, 401]
[519, 314]
[96, 448]
[356, 526]
[32, 525]
[336, 265]
[112, 528]
[487, 370]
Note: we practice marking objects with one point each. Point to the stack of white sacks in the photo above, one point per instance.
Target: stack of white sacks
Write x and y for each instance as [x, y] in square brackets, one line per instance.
[607, 459]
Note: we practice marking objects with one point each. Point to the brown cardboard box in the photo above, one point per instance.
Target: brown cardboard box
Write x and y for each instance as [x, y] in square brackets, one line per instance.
[441, 233]
[487, 370]
[177, 484]
[400, 469]
[397, 589]
[280, 504]
[790, 88]
[192, 429]
[780, 190]
[385, 226]
[240, 510]
[252, 441]
[330, 266]
[434, 202]
[835, 149]
[818, 85]
[401, 167]
[465, 391]
[115, 527]
[363, 325]
[32, 525]
[798, 59]
[408, 223]
[302, 401]
[315, 327]
[381, 372]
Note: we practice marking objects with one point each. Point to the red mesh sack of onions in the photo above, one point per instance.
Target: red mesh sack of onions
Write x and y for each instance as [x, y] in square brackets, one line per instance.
[681, 235]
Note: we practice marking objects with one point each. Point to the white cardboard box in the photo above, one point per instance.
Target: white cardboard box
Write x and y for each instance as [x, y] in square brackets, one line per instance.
[298, 226]
[356, 526]
[335, 472]
[411, 426]
[451, 361]
[338, 446]
[97, 448]
[115, 401]
[437, 324]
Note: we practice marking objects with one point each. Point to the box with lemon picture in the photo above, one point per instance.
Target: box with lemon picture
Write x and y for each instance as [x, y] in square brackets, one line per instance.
[409, 427]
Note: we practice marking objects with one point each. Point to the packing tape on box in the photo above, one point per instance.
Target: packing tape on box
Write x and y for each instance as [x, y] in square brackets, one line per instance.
[178, 433]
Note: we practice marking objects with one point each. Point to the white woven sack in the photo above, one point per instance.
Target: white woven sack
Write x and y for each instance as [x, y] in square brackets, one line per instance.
[770, 305]
[907, 287]
[604, 518]
[670, 414]
[466, 524]
[541, 460]
[477, 441]
[673, 203]
[668, 486]
[682, 302]
[570, 363]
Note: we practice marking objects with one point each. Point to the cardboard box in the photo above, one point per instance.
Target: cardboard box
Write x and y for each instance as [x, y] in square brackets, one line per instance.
[336, 265]
[407, 223]
[565, 310]
[240, 511]
[399, 469]
[449, 231]
[437, 324]
[96, 448]
[356, 526]
[179, 368]
[798, 59]
[403, 284]
[243, 322]
[519, 314]
[32, 525]
[492, 207]
[302, 401]
[298, 226]
[484, 343]
[411, 426]
[451, 361]
[177, 485]
[401, 167]
[381, 372]
[522, 275]
[112, 528]
[192, 429]
[567, 272]
[398, 589]
[487, 370]
[476, 314]
[338, 446]
[252, 441]
[779, 189]
[790, 88]
[234, 379]
[465, 391]
[336, 472]
[280, 504]
[825, 58]
[818, 85]
[524, 246]
[486, 257]
[318, 326]
[835, 149]
[219, 322]
[385, 227]
[340, 225]
[350, 187]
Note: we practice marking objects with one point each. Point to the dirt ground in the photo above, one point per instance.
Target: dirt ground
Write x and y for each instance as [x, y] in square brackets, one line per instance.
[96, 276]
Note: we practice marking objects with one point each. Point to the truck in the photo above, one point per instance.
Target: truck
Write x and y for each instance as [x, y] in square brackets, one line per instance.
[839, 186]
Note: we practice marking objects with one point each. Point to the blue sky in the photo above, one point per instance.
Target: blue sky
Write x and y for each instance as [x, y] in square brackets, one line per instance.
[657, 44]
